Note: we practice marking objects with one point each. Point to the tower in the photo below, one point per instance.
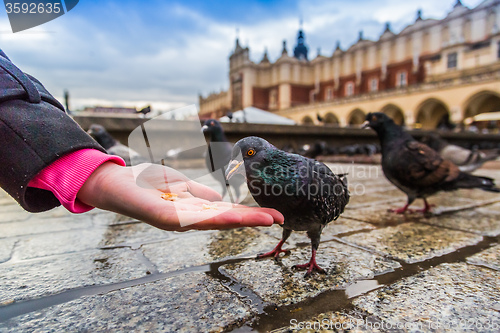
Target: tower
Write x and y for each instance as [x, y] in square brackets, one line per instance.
[300, 51]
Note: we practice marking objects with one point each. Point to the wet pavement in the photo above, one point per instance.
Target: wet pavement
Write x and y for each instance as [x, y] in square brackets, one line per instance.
[100, 271]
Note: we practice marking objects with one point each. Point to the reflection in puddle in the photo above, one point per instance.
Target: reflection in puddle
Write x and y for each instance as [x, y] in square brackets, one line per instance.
[361, 287]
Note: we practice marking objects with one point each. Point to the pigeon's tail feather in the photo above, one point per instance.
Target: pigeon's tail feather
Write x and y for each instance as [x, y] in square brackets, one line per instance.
[466, 180]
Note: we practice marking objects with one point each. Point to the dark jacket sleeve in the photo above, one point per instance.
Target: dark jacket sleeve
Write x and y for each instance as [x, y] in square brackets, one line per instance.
[34, 132]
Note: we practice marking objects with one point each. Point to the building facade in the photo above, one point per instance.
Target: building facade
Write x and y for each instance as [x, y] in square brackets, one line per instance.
[431, 73]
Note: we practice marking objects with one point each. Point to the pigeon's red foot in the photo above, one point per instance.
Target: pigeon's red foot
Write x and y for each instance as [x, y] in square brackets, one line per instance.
[275, 252]
[427, 207]
[402, 210]
[310, 266]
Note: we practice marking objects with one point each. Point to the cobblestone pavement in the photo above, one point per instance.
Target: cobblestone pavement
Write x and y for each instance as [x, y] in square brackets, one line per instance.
[386, 273]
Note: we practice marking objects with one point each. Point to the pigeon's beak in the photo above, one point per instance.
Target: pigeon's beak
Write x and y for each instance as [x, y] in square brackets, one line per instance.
[366, 124]
[204, 128]
[234, 167]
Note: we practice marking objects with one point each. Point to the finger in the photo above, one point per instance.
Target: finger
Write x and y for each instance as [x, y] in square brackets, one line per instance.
[188, 199]
[202, 191]
[200, 219]
[225, 220]
[277, 216]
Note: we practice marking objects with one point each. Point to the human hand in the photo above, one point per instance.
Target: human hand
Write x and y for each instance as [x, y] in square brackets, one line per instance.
[136, 192]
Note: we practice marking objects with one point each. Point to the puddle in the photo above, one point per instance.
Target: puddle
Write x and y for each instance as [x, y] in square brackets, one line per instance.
[361, 287]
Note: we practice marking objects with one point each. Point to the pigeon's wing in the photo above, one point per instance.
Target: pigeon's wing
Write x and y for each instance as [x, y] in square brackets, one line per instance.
[332, 192]
[419, 165]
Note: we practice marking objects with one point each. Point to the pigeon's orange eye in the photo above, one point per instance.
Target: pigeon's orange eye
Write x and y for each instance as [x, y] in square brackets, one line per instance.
[250, 152]
[374, 118]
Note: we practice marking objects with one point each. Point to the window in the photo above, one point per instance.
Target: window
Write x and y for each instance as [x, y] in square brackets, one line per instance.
[374, 84]
[329, 93]
[349, 88]
[452, 60]
[402, 79]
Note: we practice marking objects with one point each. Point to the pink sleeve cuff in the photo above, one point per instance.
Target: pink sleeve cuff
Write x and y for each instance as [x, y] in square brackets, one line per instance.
[66, 176]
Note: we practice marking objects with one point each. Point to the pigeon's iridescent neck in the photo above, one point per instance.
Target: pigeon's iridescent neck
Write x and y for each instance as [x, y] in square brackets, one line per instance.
[276, 168]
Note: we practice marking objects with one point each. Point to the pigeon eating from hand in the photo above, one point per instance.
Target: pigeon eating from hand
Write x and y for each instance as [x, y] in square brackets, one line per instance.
[114, 147]
[416, 169]
[305, 191]
[218, 156]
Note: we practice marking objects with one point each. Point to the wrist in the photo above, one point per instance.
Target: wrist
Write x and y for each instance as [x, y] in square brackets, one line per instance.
[96, 189]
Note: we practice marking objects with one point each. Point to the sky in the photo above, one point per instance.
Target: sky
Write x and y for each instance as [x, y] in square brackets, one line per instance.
[166, 53]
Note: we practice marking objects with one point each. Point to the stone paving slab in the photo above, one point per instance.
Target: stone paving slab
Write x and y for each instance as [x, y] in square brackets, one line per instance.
[28, 279]
[201, 248]
[334, 228]
[488, 258]
[337, 321]
[480, 197]
[413, 242]
[33, 226]
[484, 220]
[6, 248]
[42, 245]
[101, 218]
[372, 198]
[190, 302]
[12, 215]
[379, 213]
[277, 283]
[8, 202]
[447, 298]
[132, 234]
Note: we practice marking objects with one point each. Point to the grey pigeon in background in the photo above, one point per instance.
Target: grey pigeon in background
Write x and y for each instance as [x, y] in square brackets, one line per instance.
[218, 156]
[114, 147]
[415, 168]
[466, 160]
[305, 191]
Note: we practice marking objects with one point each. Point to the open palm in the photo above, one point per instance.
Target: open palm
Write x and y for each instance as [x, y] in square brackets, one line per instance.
[137, 192]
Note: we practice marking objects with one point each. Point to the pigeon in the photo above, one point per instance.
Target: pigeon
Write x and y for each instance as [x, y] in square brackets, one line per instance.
[315, 150]
[114, 147]
[219, 153]
[144, 110]
[466, 160]
[415, 168]
[305, 191]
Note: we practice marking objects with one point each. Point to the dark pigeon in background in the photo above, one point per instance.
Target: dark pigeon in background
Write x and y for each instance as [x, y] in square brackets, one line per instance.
[114, 147]
[466, 160]
[144, 111]
[415, 168]
[318, 148]
[305, 191]
[218, 156]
